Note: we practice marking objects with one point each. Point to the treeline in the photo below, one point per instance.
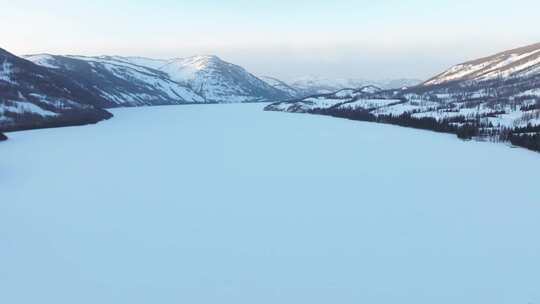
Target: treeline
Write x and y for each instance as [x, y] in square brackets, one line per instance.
[529, 141]
[535, 106]
[526, 137]
[463, 127]
[28, 121]
[460, 125]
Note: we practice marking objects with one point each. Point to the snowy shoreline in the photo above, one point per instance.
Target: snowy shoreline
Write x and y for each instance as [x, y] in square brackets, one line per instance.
[518, 124]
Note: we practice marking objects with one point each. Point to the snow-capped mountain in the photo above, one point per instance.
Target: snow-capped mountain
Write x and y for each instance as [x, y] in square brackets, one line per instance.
[516, 63]
[135, 81]
[119, 81]
[219, 81]
[32, 96]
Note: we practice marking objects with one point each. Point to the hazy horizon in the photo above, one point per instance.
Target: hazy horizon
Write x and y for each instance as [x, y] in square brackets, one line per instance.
[343, 39]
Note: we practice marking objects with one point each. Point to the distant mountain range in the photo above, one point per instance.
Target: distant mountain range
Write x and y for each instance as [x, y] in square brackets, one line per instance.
[133, 81]
[495, 98]
[50, 90]
[314, 85]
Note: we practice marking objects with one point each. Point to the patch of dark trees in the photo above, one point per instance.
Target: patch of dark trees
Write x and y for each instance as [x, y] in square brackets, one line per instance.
[532, 107]
[461, 126]
[526, 137]
[28, 121]
[464, 127]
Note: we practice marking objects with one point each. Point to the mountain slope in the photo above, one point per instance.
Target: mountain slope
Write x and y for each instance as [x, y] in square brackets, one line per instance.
[520, 62]
[137, 81]
[33, 96]
[507, 78]
[282, 86]
[219, 81]
[119, 81]
[466, 100]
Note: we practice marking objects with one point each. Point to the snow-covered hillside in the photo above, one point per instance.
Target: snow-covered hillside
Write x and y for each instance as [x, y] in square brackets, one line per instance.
[120, 81]
[516, 63]
[312, 85]
[135, 81]
[284, 87]
[494, 121]
[346, 98]
[219, 81]
[502, 90]
[33, 96]
[505, 108]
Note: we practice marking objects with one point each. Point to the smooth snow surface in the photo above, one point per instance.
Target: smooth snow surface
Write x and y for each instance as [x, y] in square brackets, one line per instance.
[230, 204]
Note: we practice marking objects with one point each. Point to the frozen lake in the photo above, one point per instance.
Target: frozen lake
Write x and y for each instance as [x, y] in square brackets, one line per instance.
[230, 204]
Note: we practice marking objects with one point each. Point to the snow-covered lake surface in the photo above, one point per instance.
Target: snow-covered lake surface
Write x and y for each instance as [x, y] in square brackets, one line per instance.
[230, 204]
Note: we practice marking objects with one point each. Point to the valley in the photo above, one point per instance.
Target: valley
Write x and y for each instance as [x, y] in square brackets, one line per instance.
[495, 98]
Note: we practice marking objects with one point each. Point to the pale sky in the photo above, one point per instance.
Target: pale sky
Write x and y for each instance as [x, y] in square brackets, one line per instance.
[287, 39]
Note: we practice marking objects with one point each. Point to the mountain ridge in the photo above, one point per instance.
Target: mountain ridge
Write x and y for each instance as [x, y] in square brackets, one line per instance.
[208, 76]
[477, 105]
[515, 62]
